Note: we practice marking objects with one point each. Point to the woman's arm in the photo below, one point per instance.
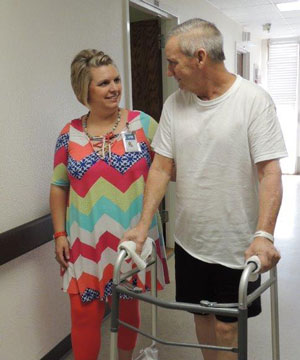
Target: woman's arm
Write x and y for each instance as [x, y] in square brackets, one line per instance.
[58, 206]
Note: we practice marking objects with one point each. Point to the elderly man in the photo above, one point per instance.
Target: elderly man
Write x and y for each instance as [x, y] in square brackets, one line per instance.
[222, 133]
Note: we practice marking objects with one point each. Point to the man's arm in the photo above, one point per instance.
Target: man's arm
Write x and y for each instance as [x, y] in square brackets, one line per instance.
[158, 178]
[270, 196]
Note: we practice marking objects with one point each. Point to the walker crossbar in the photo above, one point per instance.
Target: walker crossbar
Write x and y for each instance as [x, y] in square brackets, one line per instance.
[199, 346]
[239, 310]
[132, 272]
[177, 305]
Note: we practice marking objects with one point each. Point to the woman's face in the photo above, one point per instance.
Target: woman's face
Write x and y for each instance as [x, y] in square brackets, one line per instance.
[105, 88]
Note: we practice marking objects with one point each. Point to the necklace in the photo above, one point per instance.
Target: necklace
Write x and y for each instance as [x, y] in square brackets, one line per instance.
[102, 144]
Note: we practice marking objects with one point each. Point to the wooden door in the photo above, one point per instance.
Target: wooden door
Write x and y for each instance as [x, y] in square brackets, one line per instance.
[146, 67]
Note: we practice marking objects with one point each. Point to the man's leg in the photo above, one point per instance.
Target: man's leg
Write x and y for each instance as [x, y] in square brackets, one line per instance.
[205, 331]
[226, 335]
[211, 331]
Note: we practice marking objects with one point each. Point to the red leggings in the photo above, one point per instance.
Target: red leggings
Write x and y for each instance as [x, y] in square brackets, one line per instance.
[86, 326]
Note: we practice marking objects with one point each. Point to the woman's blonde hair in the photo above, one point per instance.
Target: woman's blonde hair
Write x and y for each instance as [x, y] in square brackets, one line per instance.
[80, 71]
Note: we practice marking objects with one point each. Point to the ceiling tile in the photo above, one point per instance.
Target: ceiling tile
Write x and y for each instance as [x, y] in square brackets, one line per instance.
[252, 14]
[281, 1]
[229, 4]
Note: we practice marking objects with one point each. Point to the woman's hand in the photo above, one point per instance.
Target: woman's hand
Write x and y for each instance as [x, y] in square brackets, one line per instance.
[62, 251]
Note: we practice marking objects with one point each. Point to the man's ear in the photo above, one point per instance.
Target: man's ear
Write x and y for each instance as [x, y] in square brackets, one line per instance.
[201, 56]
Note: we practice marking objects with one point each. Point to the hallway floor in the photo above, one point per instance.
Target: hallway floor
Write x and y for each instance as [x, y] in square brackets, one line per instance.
[178, 326]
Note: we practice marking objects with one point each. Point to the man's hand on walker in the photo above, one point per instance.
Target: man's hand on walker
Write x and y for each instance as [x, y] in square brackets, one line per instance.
[266, 251]
[137, 235]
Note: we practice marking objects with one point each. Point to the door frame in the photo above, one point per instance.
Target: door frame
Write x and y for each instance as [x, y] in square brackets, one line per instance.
[169, 85]
[168, 21]
[242, 49]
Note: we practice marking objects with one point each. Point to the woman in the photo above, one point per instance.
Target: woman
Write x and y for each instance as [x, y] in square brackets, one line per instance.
[100, 168]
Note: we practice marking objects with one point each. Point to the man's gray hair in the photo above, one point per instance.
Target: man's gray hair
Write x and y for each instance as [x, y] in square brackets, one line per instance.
[195, 34]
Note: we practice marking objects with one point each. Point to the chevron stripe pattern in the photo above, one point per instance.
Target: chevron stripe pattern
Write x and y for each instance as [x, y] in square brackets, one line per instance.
[105, 200]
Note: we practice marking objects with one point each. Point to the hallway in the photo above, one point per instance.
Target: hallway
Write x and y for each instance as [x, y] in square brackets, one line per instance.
[179, 326]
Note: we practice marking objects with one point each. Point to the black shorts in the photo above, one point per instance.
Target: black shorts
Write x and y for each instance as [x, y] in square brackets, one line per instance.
[197, 280]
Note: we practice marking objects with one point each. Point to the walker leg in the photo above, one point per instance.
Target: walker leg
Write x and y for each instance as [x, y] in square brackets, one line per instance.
[113, 346]
[243, 334]
[154, 294]
[114, 324]
[275, 316]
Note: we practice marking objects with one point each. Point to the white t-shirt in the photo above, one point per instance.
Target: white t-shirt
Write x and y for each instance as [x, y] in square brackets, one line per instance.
[215, 145]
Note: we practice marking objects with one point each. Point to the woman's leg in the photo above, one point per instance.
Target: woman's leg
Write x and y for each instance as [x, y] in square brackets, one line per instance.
[129, 312]
[86, 324]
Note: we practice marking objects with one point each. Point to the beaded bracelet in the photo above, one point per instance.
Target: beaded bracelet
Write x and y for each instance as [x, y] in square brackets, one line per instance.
[59, 233]
[264, 234]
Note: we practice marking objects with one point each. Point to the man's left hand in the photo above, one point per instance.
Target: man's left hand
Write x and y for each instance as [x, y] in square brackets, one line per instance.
[266, 251]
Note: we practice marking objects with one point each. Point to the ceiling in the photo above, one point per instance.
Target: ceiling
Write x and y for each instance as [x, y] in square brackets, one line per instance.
[253, 14]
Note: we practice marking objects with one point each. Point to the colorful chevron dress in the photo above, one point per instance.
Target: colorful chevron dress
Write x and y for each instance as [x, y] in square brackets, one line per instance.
[105, 199]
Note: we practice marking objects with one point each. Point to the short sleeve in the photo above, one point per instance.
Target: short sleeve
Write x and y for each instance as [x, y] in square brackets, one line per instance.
[60, 175]
[162, 141]
[265, 136]
[149, 125]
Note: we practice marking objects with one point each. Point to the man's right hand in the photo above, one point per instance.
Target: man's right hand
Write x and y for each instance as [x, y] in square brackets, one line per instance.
[138, 235]
[266, 251]
[62, 251]
[158, 178]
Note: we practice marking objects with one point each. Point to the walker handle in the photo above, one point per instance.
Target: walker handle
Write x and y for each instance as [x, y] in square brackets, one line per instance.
[254, 259]
[254, 264]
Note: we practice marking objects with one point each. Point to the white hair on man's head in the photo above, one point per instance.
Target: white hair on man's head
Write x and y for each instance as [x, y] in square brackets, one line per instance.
[195, 34]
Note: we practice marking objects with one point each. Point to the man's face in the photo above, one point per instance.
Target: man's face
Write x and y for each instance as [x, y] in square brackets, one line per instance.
[183, 68]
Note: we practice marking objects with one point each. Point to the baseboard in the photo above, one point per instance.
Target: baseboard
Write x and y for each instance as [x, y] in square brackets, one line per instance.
[59, 350]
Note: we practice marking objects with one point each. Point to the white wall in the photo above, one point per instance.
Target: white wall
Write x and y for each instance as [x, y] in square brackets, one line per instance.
[38, 40]
[34, 312]
[231, 31]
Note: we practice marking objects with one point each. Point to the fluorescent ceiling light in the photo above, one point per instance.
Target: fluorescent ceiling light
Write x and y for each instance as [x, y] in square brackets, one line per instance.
[289, 6]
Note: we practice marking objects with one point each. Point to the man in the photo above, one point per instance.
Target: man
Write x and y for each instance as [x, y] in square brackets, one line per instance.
[222, 133]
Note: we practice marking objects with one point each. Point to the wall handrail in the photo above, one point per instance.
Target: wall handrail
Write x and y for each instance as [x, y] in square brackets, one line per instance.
[24, 238]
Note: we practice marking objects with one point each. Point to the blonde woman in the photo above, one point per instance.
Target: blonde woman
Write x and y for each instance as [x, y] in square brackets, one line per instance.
[100, 167]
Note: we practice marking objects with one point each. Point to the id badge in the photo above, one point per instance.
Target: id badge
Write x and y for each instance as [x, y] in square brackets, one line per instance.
[130, 142]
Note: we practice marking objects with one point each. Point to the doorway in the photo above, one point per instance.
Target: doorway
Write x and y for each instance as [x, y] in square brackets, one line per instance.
[242, 61]
[146, 72]
[146, 63]
[147, 84]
